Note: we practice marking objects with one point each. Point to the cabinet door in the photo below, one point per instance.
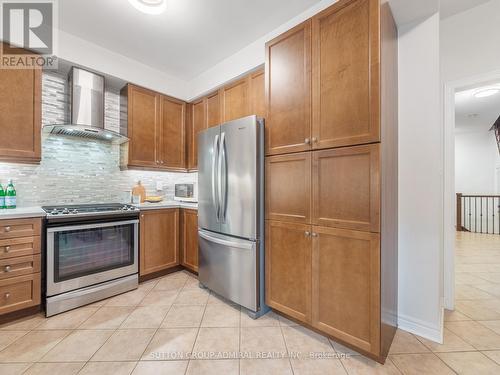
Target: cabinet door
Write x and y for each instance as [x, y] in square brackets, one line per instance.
[213, 109]
[235, 100]
[346, 74]
[346, 286]
[288, 91]
[257, 94]
[172, 133]
[288, 269]
[189, 239]
[198, 123]
[346, 188]
[159, 242]
[143, 129]
[288, 187]
[20, 115]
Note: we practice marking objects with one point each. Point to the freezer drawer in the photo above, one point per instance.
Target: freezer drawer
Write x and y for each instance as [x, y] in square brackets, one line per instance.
[229, 267]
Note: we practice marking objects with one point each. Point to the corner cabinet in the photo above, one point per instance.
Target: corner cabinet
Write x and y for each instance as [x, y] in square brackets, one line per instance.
[156, 128]
[159, 240]
[331, 175]
[189, 238]
[20, 115]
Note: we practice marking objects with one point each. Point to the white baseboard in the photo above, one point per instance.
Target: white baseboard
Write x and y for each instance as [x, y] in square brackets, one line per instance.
[420, 328]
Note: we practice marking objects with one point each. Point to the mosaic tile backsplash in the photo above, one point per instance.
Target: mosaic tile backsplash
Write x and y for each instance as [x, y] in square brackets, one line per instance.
[74, 170]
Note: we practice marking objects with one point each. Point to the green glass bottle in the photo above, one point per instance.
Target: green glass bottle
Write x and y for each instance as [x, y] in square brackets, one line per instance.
[10, 196]
[2, 197]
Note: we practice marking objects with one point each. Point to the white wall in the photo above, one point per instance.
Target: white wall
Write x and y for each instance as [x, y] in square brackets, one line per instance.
[476, 155]
[420, 180]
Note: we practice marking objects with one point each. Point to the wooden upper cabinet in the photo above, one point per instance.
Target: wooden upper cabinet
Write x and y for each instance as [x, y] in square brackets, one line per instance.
[288, 268]
[172, 133]
[189, 239]
[213, 109]
[159, 240]
[288, 187]
[20, 115]
[235, 100]
[257, 93]
[288, 91]
[143, 120]
[346, 286]
[345, 69]
[198, 123]
[346, 188]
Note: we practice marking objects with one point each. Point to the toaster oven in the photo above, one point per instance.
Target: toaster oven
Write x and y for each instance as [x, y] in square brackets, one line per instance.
[186, 193]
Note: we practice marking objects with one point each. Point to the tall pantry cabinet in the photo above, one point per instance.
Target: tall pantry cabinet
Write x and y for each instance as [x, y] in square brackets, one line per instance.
[331, 174]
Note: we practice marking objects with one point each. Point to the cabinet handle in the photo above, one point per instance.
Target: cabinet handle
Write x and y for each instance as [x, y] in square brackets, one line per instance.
[315, 234]
[307, 233]
[7, 268]
[315, 140]
[7, 249]
[307, 141]
[7, 295]
[7, 229]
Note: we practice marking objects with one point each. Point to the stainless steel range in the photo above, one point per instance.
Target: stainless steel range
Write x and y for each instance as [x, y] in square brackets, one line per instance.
[92, 253]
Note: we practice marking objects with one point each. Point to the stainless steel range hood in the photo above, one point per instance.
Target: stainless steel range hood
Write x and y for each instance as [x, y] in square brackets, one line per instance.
[87, 109]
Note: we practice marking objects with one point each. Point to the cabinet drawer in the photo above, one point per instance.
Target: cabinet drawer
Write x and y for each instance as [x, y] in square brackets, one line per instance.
[20, 228]
[18, 247]
[19, 266]
[18, 293]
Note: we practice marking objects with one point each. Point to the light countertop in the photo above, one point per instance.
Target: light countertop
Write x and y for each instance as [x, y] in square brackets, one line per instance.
[166, 204]
[22, 212]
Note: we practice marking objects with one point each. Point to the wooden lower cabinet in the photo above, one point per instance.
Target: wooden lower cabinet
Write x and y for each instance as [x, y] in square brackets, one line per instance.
[17, 293]
[346, 286]
[159, 240]
[189, 239]
[288, 269]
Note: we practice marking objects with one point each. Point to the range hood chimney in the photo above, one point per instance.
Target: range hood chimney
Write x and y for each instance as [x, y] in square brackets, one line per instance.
[87, 109]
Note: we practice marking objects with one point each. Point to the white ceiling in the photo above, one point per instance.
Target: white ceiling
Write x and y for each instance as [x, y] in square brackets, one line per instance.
[476, 114]
[450, 7]
[190, 37]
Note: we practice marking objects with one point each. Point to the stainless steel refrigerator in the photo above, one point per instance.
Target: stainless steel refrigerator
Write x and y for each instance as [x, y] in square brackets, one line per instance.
[231, 212]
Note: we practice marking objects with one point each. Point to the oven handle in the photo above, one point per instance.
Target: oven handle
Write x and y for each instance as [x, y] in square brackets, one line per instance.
[90, 226]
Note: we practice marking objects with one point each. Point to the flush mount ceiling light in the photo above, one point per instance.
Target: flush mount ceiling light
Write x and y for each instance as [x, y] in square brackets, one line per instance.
[485, 92]
[149, 6]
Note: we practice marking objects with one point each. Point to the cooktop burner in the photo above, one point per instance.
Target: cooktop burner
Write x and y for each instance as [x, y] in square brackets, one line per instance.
[86, 209]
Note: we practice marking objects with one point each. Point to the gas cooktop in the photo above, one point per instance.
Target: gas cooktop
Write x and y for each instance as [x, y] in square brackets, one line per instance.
[89, 209]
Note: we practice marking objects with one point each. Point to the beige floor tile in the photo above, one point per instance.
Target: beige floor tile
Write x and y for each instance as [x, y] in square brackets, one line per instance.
[147, 286]
[170, 284]
[479, 309]
[8, 337]
[265, 367]
[304, 342]
[217, 343]
[132, 298]
[78, 346]
[215, 298]
[268, 320]
[192, 283]
[476, 334]
[491, 288]
[284, 322]
[108, 368]
[343, 350]
[32, 346]
[472, 363]
[493, 277]
[159, 298]
[160, 367]
[359, 365]
[467, 278]
[192, 297]
[405, 342]
[470, 292]
[182, 316]
[107, 318]
[218, 315]
[259, 341]
[494, 355]
[454, 316]
[494, 325]
[13, 368]
[55, 368]
[317, 366]
[124, 345]
[451, 343]
[146, 317]
[215, 367]
[24, 324]
[69, 319]
[171, 344]
[417, 364]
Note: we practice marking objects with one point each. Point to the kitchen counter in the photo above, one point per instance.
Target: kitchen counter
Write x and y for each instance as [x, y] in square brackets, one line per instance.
[166, 204]
[22, 212]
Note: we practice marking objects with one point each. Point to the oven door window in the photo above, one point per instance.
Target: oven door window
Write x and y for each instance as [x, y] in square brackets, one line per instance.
[87, 251]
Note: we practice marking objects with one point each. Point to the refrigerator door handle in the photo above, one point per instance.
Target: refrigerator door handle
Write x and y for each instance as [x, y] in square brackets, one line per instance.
[222, 178]
[245, 245]
[215, 156]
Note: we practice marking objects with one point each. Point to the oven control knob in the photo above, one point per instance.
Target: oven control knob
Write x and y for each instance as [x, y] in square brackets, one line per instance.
[74, 211]
[65, 211]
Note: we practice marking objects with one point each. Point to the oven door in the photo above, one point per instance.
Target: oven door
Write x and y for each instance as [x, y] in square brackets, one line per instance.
[81, 255]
